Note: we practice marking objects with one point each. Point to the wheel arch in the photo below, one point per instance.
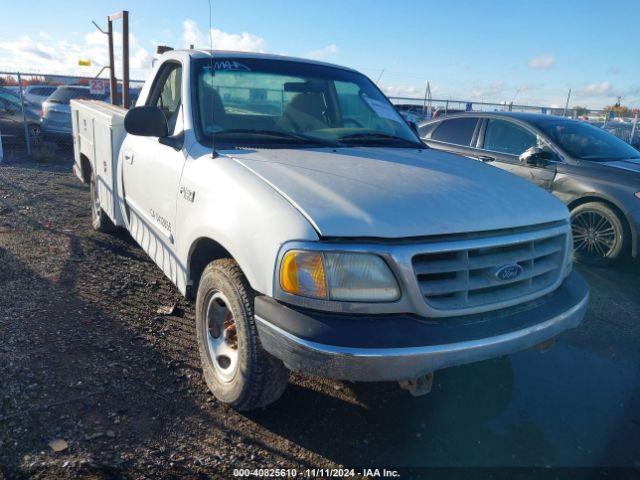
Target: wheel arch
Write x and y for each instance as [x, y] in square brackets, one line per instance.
[85, 166]
[203, 251]
[592, 197]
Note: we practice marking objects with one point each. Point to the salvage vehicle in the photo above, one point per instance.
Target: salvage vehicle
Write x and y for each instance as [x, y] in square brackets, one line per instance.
[316, 232]
[55, 114]
[593, 172]
[12, 120]
[36, 94]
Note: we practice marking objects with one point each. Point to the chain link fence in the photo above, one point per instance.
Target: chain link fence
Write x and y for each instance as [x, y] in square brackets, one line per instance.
[35, 114]
[418, 110]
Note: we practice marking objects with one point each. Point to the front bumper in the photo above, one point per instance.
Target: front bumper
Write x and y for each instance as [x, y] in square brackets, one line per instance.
[399, 347]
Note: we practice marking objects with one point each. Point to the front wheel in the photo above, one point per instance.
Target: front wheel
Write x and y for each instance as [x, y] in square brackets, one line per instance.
[238, 371]
[599, 236]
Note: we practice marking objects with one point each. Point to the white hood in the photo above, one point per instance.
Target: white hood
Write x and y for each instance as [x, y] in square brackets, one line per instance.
[394, 193]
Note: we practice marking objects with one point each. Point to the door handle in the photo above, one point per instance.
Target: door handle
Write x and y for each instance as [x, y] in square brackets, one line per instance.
[486, 158]
[128, 157]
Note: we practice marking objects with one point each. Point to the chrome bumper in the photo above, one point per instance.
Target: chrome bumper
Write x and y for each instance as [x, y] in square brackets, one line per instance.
[544, 319]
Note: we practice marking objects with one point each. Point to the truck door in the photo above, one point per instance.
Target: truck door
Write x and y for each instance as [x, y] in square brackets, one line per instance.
[504, 141]
[152, 172]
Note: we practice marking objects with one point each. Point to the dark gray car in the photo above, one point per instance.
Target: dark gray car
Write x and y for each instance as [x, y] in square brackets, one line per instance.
[596, 174]
[12, 120]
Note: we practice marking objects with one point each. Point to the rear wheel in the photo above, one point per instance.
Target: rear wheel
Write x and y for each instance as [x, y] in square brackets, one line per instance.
[599, 235]
[35, 135]
[99, 219]
[238, 371]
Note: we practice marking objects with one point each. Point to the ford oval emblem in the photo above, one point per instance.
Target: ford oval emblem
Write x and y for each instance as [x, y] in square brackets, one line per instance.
[508, 272]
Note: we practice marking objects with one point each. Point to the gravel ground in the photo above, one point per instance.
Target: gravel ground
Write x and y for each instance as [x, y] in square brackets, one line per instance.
[90, 365]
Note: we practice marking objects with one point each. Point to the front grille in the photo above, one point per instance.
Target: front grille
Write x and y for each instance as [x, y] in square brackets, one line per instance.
[465, 278]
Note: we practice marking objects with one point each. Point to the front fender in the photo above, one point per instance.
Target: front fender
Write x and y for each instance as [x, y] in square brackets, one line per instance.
[239, 211]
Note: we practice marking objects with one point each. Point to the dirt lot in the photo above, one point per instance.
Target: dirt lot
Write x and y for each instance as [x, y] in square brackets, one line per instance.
[87, 357]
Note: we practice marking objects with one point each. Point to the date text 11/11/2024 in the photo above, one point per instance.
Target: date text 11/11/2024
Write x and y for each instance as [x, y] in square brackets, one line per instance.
[316, 473]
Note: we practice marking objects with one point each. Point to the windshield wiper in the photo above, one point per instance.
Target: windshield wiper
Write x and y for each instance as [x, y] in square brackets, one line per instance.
[378, 136]
[281, 134]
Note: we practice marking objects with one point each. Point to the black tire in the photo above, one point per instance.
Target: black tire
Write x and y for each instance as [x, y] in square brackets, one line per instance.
[35, 135]
[599, 234]
[99, 219]
[258, 378]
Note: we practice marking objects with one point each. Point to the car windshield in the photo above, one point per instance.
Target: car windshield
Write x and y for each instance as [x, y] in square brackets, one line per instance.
[279, 103]
[65, 94]
[586, 142]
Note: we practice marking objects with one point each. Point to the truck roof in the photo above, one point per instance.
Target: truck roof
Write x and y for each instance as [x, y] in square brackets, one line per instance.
[200, 53]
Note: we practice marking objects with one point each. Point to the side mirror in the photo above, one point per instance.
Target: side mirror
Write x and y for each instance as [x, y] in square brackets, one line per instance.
[536, 156]
[146, 121]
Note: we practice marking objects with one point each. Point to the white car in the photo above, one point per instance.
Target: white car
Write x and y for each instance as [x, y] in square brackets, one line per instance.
[315, 232]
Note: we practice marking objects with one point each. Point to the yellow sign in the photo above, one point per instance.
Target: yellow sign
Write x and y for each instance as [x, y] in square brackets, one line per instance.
[84, 63]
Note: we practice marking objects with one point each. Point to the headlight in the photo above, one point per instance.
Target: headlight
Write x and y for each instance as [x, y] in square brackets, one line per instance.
[355, 277]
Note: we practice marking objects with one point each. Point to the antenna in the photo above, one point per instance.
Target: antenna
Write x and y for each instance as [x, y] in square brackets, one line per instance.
[214, 154]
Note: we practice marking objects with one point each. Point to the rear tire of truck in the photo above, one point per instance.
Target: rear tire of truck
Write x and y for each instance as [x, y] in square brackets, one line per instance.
[238, 371]
[99, 219]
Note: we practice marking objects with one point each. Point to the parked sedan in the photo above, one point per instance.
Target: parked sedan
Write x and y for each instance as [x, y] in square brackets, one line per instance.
[596, 174]
[56, 112]
[12, 120]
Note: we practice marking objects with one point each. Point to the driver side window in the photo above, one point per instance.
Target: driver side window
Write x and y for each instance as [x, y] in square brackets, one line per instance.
[168, 95]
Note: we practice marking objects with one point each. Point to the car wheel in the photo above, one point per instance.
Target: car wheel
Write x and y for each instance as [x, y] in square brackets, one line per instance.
[99, 219]
[599, 236]
[237, 370]
[35, 135]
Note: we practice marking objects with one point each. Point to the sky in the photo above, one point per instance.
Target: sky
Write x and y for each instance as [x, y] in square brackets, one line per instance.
[526, 51]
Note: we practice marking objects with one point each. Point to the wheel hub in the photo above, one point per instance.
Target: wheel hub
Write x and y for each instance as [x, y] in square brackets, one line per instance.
[593, 234]
[222, 337]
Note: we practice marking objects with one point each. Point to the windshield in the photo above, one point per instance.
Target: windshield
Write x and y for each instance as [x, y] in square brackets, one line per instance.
[586, 142]
[66, 94]
[277, 103]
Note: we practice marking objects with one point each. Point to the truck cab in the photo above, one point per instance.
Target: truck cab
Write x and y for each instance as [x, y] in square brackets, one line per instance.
[314, 230]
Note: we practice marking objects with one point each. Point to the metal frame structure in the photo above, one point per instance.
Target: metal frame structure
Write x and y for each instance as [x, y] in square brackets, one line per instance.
[113, 84]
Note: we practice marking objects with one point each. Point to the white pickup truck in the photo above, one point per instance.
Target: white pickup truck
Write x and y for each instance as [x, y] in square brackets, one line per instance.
[316, 232]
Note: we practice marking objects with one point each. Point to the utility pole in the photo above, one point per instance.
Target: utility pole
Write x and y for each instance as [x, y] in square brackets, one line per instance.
[124, 16]
[113, 85]
[566, 105]
[427, 97]
[113, 82]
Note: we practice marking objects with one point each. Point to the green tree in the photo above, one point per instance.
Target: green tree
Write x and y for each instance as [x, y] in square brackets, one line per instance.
[581, 110]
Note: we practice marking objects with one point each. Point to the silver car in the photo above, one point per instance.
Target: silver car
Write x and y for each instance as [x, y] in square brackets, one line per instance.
[56, 113]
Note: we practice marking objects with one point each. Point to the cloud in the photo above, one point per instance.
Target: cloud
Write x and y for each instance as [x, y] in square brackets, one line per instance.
[492, 90]
[542, 62]
[243, 42]
[45, 55]
[324, 52]
[598, 89]
[402, 91]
